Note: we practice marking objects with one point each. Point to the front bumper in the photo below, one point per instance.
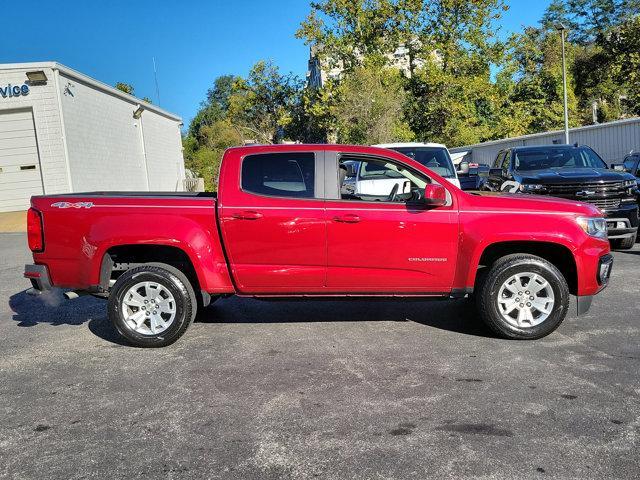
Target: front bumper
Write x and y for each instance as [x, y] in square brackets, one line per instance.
[604, 269]
[622, 222]
[39, 276]
[605, 265]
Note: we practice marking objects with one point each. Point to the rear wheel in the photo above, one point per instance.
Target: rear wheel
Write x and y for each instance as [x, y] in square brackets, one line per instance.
[624, 243]
[152, 305]
[523, 297]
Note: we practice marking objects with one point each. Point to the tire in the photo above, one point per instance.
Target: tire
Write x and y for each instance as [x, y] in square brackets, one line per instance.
[173, 313]
[624, 243]
[554, 297]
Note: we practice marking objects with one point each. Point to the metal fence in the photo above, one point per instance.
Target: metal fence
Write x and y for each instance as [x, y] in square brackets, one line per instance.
[193, 184]
[612, 141]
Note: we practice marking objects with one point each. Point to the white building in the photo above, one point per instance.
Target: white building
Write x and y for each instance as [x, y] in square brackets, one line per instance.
[320, 70]
[62, 131]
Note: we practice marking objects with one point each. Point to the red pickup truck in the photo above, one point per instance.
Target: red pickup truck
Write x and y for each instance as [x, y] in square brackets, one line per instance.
[283, 225]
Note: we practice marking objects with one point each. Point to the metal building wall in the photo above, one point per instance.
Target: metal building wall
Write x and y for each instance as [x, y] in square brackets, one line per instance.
[612, 140]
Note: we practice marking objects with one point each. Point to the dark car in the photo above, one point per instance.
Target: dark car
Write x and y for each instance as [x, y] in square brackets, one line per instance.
[472, 175]
[572, 172]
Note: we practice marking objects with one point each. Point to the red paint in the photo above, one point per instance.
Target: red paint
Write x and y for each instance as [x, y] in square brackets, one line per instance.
[284, 246]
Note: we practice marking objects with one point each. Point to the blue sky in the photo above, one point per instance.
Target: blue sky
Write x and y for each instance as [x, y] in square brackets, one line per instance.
[193, 41]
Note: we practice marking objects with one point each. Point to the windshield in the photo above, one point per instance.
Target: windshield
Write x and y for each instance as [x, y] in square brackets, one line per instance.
[436, 159]
[549, 157]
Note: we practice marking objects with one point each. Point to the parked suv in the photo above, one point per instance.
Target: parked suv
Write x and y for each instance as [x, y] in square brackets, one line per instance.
[575, 173]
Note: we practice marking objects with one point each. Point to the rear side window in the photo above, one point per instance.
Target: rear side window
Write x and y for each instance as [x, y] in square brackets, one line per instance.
[280, 174]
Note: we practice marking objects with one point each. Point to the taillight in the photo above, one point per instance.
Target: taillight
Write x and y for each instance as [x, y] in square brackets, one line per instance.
[35, 234]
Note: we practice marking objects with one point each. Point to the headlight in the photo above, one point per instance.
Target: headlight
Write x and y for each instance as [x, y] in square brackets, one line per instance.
[531, 187]
[594, 226]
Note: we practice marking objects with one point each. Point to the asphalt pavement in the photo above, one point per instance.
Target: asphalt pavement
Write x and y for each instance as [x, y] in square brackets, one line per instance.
[317, 389]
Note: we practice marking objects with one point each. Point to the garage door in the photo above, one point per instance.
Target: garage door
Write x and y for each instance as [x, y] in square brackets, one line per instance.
[19, 162]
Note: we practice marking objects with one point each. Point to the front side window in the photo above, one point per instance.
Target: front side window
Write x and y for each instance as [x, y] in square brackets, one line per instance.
[630, 165]
[436, 159]
[498, 162]
[280, 174]
[557, 157]
[379, 180]
[507, 159]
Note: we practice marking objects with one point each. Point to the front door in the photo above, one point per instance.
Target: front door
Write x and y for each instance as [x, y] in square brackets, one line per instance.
[380, 241]
[273, 227]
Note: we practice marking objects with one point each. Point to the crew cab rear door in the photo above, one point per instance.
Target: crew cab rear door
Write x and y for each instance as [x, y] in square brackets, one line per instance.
[272, 221]
[379, 245]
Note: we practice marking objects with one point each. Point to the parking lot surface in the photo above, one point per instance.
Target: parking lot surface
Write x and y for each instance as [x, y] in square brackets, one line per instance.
[313, 389]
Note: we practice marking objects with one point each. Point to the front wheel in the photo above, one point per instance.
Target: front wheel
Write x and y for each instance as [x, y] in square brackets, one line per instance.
[152, 305]
[523, 297]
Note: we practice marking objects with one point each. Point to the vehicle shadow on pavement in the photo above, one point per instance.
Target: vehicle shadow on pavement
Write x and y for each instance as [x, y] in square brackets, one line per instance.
[459, 316]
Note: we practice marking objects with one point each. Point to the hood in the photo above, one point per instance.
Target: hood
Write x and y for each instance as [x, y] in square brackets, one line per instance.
[519, 202]
[572, 175]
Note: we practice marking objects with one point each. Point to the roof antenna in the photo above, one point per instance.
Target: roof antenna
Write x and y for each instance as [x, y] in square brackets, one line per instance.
[155, 76]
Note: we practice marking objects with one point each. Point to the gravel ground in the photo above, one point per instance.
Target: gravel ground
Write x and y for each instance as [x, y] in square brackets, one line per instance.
[351, 389]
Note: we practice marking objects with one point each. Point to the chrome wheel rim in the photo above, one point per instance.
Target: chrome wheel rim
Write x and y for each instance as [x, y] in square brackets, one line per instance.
[525, 300]
[148, 308]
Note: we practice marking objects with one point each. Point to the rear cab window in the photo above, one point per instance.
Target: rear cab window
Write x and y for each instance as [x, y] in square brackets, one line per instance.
[290, 175]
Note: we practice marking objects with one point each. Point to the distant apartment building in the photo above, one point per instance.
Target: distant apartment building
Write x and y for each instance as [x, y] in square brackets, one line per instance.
[320, 71]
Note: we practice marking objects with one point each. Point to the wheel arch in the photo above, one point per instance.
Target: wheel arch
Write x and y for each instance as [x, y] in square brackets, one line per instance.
[119, 258]
[558, 254]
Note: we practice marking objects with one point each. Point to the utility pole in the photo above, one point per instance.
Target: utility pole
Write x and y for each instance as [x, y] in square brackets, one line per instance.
[562, 29]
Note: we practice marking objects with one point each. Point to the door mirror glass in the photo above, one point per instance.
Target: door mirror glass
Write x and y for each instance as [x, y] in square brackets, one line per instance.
[435, 195]
[619, 167]
[495, 172]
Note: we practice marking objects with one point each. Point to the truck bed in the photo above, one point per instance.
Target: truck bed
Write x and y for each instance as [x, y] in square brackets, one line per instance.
[118, 194]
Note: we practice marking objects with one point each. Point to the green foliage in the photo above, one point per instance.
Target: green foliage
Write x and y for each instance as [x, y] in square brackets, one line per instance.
[369, 107]
[260, 106]
[588, 20]
[125, 87]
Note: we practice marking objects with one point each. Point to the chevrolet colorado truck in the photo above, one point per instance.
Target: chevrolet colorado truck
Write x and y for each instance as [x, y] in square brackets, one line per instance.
[280, 226]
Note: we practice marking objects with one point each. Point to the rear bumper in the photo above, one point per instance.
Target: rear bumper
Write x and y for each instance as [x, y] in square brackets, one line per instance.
[39, 276]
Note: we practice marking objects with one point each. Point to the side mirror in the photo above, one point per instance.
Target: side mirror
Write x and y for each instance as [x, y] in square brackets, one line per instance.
[495, 172]
[618, 167]
[435, 195]
[464, 168]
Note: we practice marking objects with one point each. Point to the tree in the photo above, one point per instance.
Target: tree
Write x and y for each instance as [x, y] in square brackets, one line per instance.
[452, 97]
[538, 88]
[125, 87]
[215, 106]
[260, 105]
[588, 20]
[621, 61]
[345, 31]
[369, 108]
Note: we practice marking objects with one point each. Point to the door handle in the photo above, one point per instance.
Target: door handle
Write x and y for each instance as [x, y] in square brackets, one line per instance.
[247, 215]
[348, 218]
